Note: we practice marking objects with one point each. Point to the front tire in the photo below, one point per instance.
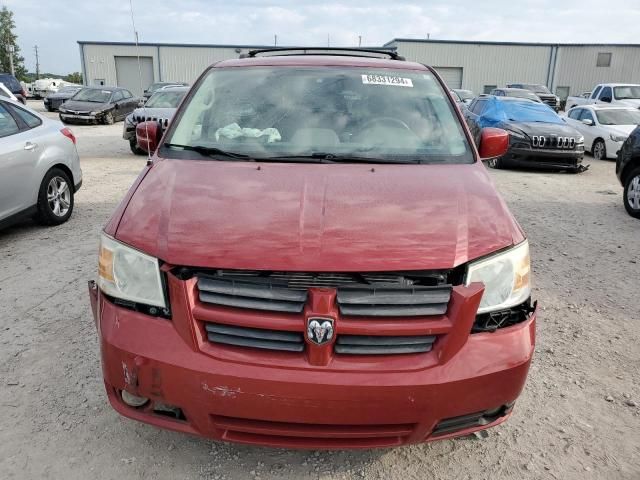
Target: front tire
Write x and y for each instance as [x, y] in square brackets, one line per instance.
[496, 163]
[631, 196]
[108, 118]
[599, 150]
[135, 149]
[55, 198]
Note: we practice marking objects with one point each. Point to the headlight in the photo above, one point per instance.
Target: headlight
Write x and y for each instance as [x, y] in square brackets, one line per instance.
[617, 138]
[128, 274]
[506, 277]
[580, 140]
[94, 113]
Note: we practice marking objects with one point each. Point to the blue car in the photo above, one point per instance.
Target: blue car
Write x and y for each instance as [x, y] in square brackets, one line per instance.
[538, 136]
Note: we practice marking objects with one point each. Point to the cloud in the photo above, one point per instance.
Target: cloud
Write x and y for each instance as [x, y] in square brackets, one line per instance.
[308, 22]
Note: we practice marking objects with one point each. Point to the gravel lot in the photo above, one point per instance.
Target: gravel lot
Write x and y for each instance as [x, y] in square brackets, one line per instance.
[578, 417]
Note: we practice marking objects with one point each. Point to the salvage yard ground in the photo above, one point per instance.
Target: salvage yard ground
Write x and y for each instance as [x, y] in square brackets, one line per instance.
[578, 418]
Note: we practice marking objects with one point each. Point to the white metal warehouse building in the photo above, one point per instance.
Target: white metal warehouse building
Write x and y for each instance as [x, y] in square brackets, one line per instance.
[567, 69]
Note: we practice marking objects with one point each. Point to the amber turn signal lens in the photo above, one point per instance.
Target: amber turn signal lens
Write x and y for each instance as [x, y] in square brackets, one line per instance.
[105, 264]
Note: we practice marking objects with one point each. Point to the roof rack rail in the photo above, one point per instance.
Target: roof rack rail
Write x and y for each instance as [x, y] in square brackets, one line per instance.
[335, 51]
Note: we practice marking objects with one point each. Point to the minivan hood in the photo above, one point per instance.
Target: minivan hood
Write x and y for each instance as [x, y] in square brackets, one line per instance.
[316, 217]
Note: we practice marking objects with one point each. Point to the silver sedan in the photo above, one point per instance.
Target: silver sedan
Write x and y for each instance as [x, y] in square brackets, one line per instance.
[39, 166]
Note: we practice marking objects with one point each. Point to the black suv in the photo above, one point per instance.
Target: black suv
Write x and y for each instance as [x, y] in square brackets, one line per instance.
[14, 86]
[541, 91]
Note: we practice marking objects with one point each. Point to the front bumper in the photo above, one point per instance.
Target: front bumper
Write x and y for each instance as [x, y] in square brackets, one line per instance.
[612, 148]
[73, 118]
[224, 394]
[128, 131]
[545, 158]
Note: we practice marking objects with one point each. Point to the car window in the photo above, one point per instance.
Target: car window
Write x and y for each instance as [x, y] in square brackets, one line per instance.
[618, 117]
[596, 91]
[94, 95]
[8, 125]
[478, 106]
[170, 99]
[368, 113]
[605, 93]
[575, 113]
[126, 94]
[117, 96]
[586, 114]
[31, 120]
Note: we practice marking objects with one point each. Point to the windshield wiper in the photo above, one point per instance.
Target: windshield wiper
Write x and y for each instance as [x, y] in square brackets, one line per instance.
[322, 157]
[207, 151]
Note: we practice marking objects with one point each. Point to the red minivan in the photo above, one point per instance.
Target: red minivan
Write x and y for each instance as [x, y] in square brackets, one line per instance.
[315, 257]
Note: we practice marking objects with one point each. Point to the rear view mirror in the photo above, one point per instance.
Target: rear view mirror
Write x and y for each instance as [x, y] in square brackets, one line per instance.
[494, 143]
[148, 136]
[587, 121]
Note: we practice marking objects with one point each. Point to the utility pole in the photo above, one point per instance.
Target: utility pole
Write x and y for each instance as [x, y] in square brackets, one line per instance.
[37, 63]
[328, 40]
[275, 40]
[359, 41]
[10, 50]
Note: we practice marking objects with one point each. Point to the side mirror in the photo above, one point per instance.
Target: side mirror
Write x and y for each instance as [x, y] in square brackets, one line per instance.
[606, 99]
[494, 143]
[587, 121]
[148, 136]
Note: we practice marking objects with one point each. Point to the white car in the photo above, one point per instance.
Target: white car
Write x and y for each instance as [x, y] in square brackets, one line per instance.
[39, 166]
[604, 127]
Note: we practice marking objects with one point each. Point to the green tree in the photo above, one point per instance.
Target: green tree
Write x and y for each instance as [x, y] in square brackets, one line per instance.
[75, 77]
[7, 38]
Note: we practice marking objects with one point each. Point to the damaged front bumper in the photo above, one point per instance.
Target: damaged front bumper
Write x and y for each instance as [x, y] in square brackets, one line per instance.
[546, 158]
[468, 382]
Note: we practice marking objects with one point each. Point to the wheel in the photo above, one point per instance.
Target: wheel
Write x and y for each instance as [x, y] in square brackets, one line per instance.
[49, 109]
[495, 163]
[55, 198]
[599, 150]
[135, 148]
[631, 196]
[108, 118]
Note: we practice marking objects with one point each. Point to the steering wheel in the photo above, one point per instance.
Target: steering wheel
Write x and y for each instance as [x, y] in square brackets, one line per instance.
[386, 120]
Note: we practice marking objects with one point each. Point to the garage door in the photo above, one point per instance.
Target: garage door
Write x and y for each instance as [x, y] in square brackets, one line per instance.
[128, 73]
[452, 76]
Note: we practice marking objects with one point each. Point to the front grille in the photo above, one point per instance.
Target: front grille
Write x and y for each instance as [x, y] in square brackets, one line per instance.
[385, 294]
[141, 118]
[255, 295]
[541, 141]
[255, 337]
[393, 301]
[383, 345]
[311, 434]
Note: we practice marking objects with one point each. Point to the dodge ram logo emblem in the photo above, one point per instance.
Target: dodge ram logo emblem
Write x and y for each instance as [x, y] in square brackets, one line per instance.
[320, 330]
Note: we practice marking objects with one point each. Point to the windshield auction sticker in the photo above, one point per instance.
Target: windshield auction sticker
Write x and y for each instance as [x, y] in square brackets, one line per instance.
[387, 80]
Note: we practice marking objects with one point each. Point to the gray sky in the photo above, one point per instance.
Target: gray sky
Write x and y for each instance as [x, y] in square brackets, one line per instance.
[56, 26]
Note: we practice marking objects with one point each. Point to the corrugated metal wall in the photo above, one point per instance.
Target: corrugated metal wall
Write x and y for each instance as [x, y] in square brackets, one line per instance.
[185, 64]
[482, 64]
[576, 67]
